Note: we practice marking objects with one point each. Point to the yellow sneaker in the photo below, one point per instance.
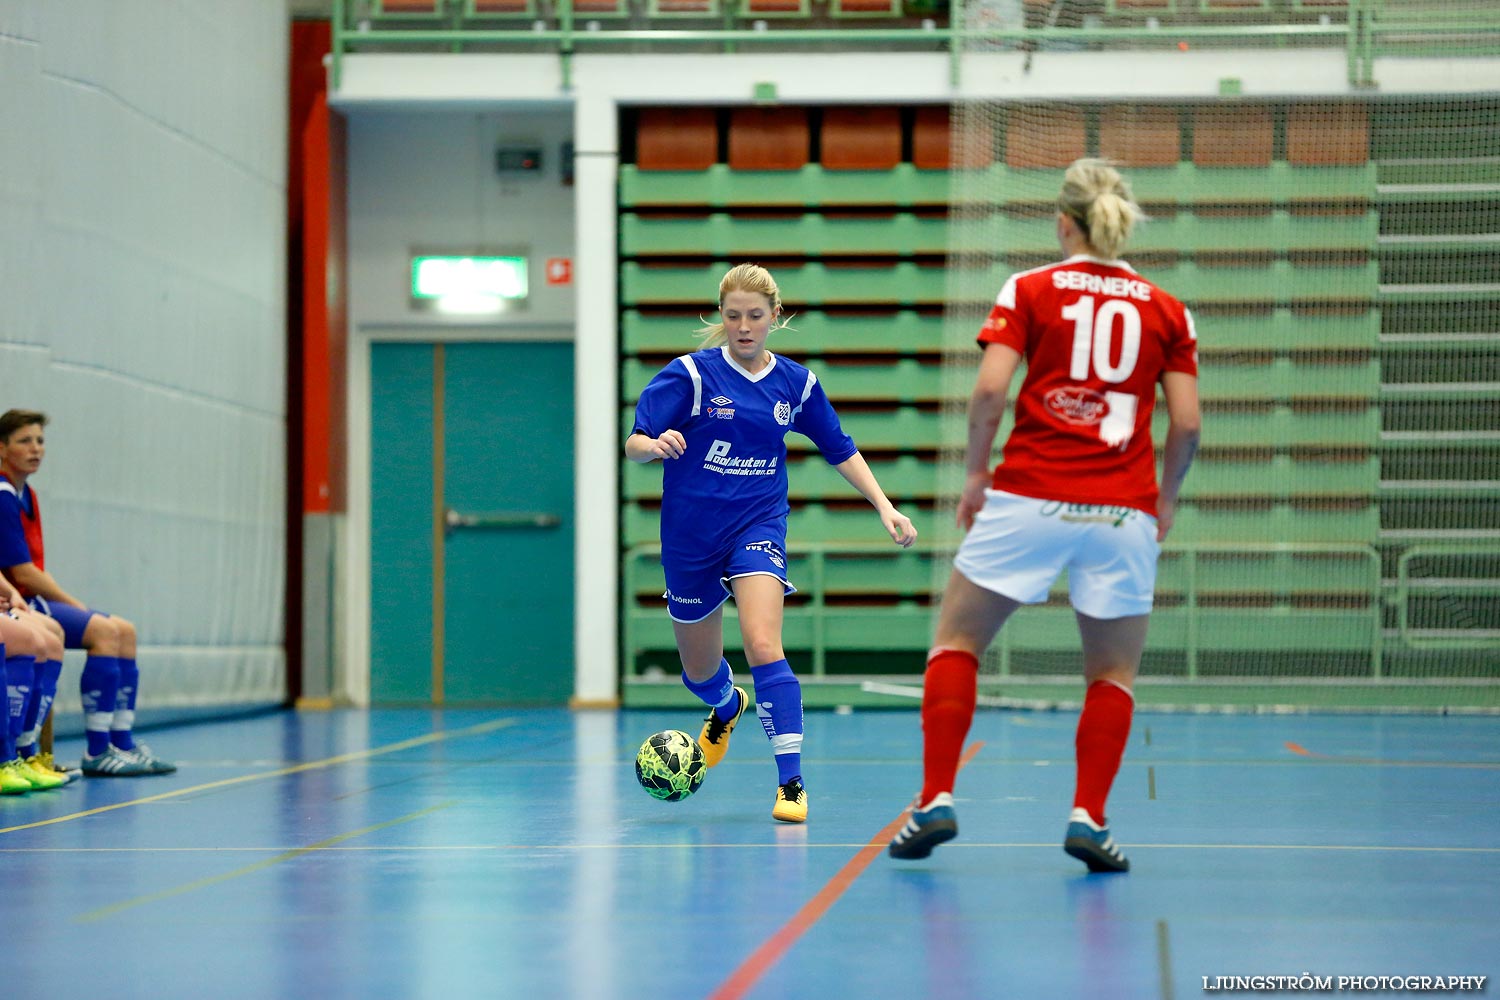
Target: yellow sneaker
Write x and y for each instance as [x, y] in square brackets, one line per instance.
[12, 781]
[41, 778]
[791, 802]
[49, 763]
[715, 736]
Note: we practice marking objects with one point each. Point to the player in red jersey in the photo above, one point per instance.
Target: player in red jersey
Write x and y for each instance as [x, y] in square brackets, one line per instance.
[1076, 489]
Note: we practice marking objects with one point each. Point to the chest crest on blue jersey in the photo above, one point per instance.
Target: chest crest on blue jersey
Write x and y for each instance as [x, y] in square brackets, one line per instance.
[783, 413]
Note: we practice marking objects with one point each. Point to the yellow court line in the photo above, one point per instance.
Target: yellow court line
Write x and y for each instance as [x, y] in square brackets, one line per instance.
[416, 741]
[748, 846]
[297, 852]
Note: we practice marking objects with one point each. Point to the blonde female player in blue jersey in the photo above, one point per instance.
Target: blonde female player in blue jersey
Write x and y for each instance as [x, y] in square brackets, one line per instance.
[718, 419]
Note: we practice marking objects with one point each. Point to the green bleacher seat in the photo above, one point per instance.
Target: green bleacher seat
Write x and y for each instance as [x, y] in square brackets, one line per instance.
[811, 186]
[813, 333]
[1285, 426]
[1280, 282]
[1277, 522]
[1282, 477]
[811, 478]
[1286, 379]
[811, 235]
[903, 380]
[1287, 330]
[875, 429]
[813, 284]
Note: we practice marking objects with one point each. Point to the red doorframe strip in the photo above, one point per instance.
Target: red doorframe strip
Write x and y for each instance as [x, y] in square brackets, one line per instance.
[778, 944]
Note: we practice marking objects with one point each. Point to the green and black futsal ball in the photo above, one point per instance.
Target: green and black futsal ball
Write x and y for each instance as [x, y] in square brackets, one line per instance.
[670, 765]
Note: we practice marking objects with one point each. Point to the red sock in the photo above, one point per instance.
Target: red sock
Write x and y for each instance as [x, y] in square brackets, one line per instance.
[948, 694]
[1103, 729]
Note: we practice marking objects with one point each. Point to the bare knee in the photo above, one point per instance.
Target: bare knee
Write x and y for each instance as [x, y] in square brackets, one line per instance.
[52, 636]
[101, 636]
[19, 639]
[762, 649]
[125, 636]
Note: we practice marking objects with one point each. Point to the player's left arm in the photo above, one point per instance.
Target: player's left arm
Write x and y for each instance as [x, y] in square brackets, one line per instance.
[857, 471]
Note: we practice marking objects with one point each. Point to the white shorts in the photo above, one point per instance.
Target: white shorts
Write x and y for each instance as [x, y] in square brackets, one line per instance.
[1019, 545]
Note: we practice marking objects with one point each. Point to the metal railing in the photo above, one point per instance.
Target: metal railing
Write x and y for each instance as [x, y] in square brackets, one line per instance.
[357, 27]
[816, 609]
[1409, 586]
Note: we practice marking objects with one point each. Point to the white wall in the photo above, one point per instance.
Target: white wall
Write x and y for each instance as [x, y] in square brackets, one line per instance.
[423, 180]
[143, 261]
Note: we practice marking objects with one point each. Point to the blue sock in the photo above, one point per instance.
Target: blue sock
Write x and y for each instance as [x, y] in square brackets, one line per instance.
[43, 692]
[101, 675]
[717, 692]
[124, 718]
[19, 671]
[7, 748]
[778, 702]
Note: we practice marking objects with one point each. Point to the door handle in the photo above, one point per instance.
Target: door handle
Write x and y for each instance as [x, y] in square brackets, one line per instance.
[453, 520]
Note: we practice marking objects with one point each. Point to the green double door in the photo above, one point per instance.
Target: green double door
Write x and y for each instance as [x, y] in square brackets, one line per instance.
[471, 540]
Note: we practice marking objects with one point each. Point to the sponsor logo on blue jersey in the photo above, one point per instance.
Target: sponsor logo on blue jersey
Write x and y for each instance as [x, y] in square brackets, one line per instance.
[721, 461]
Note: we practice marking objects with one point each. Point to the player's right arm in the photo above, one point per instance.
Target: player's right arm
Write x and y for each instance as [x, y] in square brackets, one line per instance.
[642, 448]
[986, 409]
[15, 556]
[665, 402]
[27, 576]
[1183, 429]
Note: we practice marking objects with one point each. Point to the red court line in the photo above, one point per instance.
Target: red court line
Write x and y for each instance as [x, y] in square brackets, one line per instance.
[1302, 751]
[760, 961]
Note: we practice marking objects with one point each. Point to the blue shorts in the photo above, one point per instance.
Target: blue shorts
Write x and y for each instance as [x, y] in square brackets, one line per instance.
[696, 588]
[73, 620]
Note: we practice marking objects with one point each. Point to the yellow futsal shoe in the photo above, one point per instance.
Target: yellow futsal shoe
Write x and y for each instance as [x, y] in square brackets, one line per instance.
[791, 802]
[716, 732]
[12, 781]
[49, 763]
[41, 778]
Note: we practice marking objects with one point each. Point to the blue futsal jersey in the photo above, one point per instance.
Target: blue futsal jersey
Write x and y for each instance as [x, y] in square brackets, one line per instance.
[733, 474]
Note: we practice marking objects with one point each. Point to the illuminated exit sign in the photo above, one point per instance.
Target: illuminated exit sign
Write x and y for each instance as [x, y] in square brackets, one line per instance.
[468, 279]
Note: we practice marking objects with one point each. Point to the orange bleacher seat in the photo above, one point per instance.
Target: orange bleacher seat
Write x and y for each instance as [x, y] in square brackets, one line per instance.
[861, 138]
[1239, 136]
[774, 6]
[409, 6]
[932, 141]
[1141, 137]
[768, 139]
[1044, 137]
[1320, 135]
[676, 139]
[502, 6]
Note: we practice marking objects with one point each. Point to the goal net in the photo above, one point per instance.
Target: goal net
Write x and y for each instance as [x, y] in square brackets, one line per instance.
[1338, 540]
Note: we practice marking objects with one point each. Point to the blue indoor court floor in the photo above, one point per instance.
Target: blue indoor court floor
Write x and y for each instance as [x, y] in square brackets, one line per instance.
[510, 853]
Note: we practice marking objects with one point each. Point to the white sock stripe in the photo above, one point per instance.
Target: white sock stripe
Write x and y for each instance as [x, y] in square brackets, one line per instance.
[1122, 687]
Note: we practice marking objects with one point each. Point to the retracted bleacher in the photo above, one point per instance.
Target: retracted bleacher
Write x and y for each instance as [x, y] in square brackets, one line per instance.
[890, 233]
